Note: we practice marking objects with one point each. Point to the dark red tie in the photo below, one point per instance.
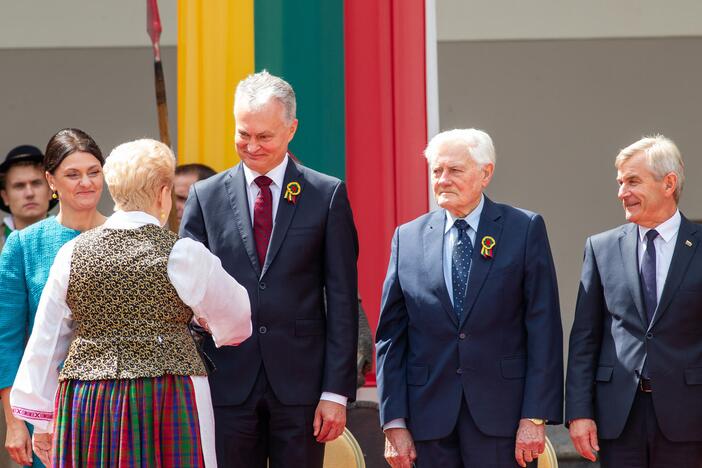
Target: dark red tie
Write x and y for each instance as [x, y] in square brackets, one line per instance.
[263, 217]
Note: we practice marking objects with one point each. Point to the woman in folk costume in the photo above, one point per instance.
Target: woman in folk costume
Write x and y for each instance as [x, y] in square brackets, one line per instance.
[133, 389]
[73, 164]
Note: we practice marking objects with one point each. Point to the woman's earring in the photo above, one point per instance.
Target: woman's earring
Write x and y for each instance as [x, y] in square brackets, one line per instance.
[163, 216]
[54, 195]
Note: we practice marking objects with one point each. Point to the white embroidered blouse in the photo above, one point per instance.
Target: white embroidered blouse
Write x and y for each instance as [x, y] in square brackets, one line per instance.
[197, 276]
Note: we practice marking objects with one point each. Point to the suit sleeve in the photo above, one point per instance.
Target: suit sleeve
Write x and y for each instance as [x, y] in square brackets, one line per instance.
[585, 340]
[391, 344]
[202, 284]
[192, 224]
[543, 389]
[341, 289]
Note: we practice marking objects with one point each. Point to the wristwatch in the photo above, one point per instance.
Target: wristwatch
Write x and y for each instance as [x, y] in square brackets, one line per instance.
[537, 421]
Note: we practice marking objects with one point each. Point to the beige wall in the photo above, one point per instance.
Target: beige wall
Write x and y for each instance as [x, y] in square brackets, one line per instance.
[108, 92]
[559, 111]
[82, 23]
[461, 20]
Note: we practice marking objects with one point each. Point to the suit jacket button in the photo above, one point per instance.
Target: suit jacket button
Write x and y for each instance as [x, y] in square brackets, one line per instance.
[649, 335]
[462, 336]
[459, 371]
[261, 285]
[262, 330]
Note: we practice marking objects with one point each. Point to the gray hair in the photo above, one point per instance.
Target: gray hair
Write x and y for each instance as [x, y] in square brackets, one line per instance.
[662, 157]
[476, 143]
[257, 89]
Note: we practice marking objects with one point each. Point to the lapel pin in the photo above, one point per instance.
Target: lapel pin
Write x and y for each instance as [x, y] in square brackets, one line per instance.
[488, 243]
[688, 243]
[292, 191]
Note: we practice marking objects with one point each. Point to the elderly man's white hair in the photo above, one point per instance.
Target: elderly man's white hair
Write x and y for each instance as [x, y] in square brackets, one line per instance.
[662, 157]
[257, 89]
[475, 143]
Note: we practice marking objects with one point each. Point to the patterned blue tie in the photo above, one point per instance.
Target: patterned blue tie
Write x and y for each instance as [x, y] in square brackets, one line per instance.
[648, 275]
[460, 266]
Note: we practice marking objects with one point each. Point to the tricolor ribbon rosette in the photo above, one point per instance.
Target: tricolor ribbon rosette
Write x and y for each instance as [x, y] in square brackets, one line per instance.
[487, 244]
[292, 190]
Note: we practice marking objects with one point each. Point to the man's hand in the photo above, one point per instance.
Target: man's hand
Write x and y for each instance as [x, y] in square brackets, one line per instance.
[399, 448]
[530, 442]
[329, 421]
[42, 447]
[583, 433]
[17, 441]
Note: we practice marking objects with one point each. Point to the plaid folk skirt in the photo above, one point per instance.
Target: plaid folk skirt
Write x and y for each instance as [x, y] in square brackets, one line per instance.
[147, 422]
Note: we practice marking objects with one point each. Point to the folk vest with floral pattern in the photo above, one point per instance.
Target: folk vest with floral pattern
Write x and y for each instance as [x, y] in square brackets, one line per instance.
[130, 321]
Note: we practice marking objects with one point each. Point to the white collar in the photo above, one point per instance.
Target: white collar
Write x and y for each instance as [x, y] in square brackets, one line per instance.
[473, 218]
[667, 229]
[129, 220]
[277, 174]
[9, 222]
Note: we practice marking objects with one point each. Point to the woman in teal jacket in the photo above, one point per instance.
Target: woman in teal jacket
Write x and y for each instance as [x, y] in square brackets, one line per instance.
[73, 164]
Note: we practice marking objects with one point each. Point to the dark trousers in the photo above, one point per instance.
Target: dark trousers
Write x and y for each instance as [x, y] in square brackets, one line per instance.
[466, 447]
[264, 430]
[643, 445]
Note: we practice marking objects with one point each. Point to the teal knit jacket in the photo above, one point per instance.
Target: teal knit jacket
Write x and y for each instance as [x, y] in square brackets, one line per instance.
[24, 268]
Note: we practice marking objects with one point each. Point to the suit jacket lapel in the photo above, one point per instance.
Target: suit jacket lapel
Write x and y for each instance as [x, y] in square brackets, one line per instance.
[490, 225]
[285, 212]
[685, 247]
[433, 247]
[238, 198]
[628, 246]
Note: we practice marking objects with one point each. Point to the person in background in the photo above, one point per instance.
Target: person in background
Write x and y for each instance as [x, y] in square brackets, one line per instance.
[185, 176]
[24, 191]
[132, 390]
[364, 362]
[73, 164]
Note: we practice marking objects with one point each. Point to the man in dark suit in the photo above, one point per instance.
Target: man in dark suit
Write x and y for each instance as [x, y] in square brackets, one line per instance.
[634, 385]
[469, 342]
[287, 234]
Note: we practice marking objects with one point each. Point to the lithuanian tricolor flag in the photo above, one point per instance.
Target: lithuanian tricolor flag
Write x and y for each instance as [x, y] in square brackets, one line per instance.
[359, 70]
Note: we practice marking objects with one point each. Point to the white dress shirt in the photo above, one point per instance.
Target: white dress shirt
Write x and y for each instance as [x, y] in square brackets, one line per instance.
[199, 280]
[450, 237]
[665, 246]
[277, 175]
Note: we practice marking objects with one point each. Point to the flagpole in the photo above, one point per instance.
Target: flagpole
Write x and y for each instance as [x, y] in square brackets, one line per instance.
[153, 28]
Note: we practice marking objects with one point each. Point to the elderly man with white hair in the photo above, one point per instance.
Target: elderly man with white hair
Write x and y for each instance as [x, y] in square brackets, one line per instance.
[469, 341]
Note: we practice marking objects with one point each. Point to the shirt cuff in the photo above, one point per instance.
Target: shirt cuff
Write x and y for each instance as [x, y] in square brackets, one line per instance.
[398, 423]
[329, 396]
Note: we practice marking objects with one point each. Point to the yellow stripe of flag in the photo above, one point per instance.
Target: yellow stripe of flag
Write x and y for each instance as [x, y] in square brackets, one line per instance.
[215, 51]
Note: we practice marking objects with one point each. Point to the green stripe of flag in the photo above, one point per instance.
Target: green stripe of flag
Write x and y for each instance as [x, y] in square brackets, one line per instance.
[303, 41]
